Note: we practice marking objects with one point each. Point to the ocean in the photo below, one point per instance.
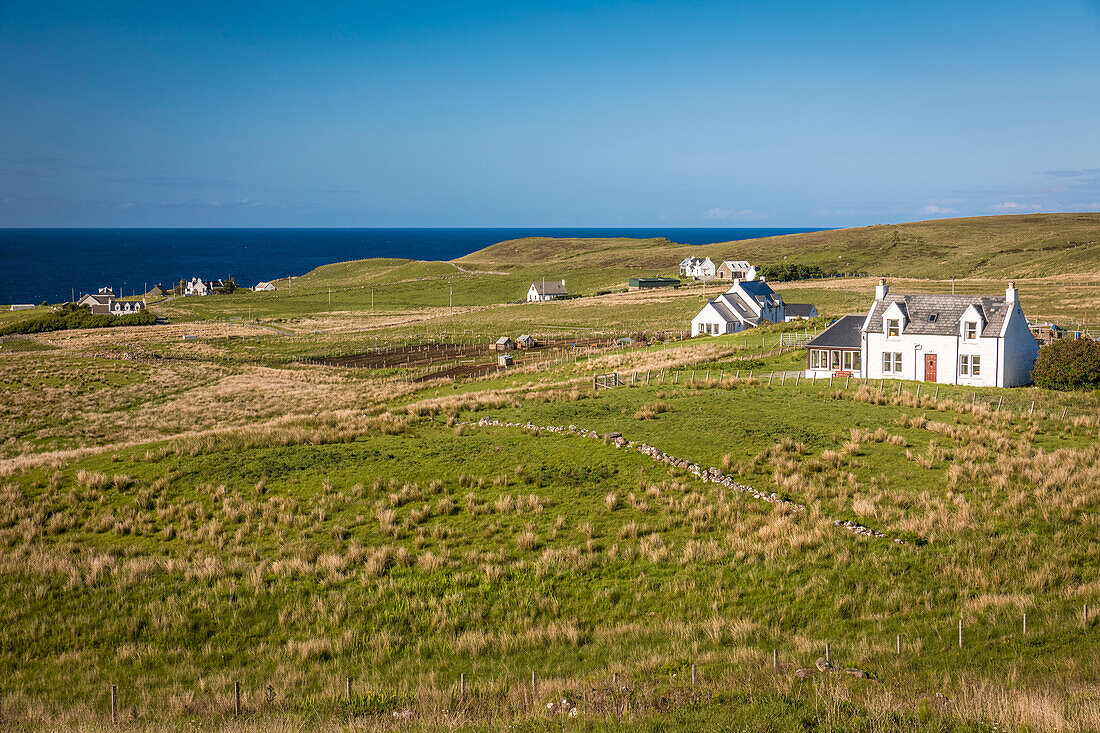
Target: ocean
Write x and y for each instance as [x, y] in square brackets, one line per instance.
[55, 265]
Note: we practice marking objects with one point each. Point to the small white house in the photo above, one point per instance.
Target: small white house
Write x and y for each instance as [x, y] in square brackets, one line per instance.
[198, 286]
[126, 307]
[264, 286]
[736, 270]
[546, 290]
[980, 341]
[698, 268]
[800, 311]
[745, 305]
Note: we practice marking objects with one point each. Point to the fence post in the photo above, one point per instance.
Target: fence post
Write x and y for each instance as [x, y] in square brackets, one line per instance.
[237, 698]
[1064, 412]
[114, 703]
[347, 688]
[1025, 623]
[828, 653]
[1085, 616]
[693, 673]
[534, 684]
[918, 390]
[999, 403]
[775, 660]
[960, 633]
[899, 645]
[708, 375]
[462, 686]
[647, 373]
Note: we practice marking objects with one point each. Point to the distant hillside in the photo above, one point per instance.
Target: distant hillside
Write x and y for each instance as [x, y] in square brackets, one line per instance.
[1031, 245]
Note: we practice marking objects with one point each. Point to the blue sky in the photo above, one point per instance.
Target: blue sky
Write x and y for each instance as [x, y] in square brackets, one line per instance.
[545, 114]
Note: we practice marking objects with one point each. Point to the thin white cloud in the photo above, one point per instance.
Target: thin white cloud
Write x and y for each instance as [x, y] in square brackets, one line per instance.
[1015, 207]
[933, 210]
[725, 214]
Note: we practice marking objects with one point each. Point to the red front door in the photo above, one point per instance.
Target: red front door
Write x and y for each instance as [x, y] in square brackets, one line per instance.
[930, 367]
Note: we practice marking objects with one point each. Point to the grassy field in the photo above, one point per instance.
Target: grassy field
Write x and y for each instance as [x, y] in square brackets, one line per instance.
[192, 505]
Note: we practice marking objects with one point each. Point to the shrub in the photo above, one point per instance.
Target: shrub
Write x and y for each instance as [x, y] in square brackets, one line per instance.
[1068, 364]
[77, 318]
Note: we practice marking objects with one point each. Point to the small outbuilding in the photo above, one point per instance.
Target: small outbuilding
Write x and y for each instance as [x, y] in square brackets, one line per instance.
[503, 344]
[645, 283]
[264, 286]
[526, 341]
[800, 311]
[504, 360]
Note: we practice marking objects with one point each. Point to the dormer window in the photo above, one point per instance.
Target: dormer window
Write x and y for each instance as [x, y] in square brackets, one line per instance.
[893, 327]
[970, 330]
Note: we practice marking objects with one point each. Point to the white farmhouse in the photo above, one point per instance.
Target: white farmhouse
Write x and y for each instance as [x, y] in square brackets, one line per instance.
[546, 290]
[698, 268]
[198, 286]
[980, 341]
[745, 305]
[263, 286]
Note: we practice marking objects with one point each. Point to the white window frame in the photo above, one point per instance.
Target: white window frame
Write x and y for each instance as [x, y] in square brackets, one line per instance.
[889, 327]
[891, 362]
[967, 326]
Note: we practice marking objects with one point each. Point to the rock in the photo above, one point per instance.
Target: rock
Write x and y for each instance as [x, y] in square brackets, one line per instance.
[857, 673]
[823, 664]
[804, 673]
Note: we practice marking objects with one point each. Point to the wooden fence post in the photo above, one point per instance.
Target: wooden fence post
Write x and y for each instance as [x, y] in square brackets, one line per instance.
[237, 698]
[775, 660]
[1064, 412]
[693, 674]
[534, 684]
[999, 403]
[1085, 616]
[347, 688]
[828, 653]
[899, 645]
[960, 633]
[462, 686]
[114, 703]
[1025, 623]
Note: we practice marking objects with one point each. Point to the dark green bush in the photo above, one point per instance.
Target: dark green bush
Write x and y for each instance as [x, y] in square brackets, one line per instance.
[1068, 364]
[788, 271]
[77, 318]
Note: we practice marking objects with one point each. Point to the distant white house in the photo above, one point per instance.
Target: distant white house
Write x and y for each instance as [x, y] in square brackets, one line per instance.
[546, 290]
[198, 286]
[736, 270]
[104, 302]
[745, 305]
[126, 307]
[980, 341]
[22, 306]
[696, 267]
[264, 286]
[99, 302]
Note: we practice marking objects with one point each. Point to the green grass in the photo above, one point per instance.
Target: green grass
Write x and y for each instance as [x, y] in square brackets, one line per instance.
[261, 563]
[218, 512]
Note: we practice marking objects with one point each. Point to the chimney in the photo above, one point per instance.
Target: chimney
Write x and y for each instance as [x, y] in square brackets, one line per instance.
[1011, 294]
[881, 289]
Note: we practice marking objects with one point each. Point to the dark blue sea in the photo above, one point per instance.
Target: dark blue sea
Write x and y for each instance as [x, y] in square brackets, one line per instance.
[56, 264]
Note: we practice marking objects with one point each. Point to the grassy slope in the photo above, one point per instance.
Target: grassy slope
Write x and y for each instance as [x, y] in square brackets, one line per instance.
[996, 246]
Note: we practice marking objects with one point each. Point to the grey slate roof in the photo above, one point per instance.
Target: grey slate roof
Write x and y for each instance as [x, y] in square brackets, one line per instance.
[843, 334]
[760, 291]
[799, 310]
[947, 311]
[550, 287]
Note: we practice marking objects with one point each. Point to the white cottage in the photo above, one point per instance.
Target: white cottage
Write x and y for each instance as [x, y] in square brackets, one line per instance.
[546, 290]
[698, 268]
[980, 341]
[745, 305]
